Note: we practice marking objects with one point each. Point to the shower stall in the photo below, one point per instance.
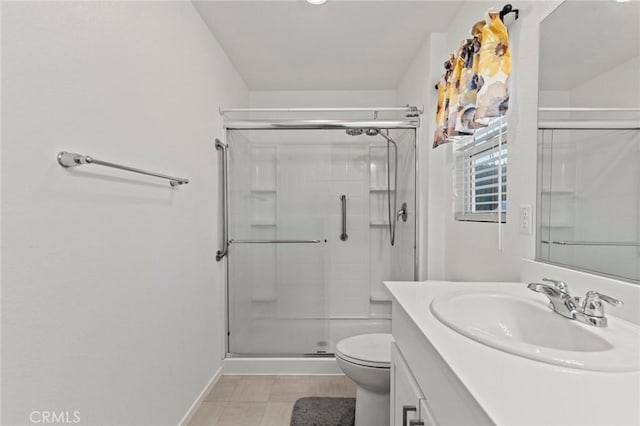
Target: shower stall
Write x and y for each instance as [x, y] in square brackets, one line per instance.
[319, 214]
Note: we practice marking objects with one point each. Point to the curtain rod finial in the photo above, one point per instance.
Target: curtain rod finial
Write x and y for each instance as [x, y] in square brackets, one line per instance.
[508, 8]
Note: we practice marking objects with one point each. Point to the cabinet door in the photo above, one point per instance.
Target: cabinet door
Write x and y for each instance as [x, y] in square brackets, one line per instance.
[405, 393]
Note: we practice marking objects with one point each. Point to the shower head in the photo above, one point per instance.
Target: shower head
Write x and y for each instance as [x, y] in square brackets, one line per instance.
[354, 132]
[358, 132]
[370, 132]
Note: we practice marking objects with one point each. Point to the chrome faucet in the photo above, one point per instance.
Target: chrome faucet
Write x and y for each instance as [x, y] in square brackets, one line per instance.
[590, 311]
[561, 301]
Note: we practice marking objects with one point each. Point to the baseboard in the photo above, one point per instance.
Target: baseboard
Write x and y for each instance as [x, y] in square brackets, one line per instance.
[281, 366]
[196, 404]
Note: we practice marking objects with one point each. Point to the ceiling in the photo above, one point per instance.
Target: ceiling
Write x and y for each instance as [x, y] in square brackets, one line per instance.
[581, 40]
[341, 45]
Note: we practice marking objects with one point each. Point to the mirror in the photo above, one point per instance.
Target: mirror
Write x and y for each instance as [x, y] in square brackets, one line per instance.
[588, 210]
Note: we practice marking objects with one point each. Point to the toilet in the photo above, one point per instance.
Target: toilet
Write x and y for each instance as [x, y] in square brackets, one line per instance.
[366, 359]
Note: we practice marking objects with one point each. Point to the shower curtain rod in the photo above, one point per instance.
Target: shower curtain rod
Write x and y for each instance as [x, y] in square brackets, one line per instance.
[320, 124]
[419, 109]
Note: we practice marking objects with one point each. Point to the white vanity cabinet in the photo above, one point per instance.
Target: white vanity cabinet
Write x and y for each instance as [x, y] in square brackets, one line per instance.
[454, 380]
[422, 381]
[408, 406]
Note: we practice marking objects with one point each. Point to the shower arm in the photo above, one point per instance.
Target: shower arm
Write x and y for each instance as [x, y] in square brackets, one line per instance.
[388, 138]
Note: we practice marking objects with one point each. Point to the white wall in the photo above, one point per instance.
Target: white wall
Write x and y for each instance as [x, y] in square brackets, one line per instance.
[112, 299]
[465, 250]
[417, 88]
[321, 98]
[618, 87]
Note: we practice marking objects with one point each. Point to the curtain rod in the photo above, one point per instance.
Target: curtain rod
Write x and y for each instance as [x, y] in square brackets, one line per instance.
[507, 9]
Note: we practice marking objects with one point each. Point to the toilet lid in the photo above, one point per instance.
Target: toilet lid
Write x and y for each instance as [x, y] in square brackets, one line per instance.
[373, 350]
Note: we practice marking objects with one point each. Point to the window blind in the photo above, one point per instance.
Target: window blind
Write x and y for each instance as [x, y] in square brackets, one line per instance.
[480, 179]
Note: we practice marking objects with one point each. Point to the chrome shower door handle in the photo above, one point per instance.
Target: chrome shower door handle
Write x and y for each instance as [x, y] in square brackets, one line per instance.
[343, 201]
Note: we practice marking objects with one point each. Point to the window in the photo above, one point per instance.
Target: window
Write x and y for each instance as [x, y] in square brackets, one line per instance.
[481, 162]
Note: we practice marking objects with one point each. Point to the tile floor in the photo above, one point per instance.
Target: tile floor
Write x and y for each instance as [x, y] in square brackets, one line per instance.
[264, 400]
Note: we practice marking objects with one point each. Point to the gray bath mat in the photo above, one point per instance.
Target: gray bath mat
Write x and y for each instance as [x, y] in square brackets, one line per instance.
[320, 411]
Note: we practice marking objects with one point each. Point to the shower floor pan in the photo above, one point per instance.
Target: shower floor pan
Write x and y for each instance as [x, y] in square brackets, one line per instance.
[299, 338]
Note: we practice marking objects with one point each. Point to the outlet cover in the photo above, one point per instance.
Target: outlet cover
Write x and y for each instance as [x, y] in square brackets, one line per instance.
[525, 218]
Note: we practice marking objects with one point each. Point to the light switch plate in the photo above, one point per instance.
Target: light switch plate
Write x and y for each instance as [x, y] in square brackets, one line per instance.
[526, 219]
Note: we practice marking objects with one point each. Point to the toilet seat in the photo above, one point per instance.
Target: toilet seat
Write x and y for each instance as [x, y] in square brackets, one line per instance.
[368, 350]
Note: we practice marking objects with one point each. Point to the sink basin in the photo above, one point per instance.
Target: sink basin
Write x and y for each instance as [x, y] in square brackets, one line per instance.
[529, 328]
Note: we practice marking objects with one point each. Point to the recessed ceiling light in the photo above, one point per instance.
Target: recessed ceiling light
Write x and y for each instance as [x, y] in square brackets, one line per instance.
[316, 1]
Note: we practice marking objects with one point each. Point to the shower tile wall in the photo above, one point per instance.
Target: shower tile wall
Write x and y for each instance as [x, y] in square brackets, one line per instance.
[378, 221]
[263, 225]
[302, 179]
[295, 195]
[395, 262]
[240, 227]
[310, 182]
[349, 280]
[403, 256]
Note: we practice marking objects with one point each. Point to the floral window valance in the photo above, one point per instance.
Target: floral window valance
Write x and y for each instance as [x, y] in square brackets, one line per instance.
[475, 86]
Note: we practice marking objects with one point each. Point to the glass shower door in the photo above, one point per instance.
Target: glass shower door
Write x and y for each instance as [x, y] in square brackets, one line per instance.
[278, 252]
[297, 284]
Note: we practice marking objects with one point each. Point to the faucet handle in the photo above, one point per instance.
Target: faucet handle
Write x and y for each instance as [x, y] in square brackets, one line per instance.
[560, 285]
[592, 304]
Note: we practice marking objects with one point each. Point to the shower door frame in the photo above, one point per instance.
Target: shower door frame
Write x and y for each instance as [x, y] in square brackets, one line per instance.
[408, 124]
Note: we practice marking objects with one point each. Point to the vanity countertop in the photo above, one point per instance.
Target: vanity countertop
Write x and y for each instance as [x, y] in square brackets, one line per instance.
[516, 390]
